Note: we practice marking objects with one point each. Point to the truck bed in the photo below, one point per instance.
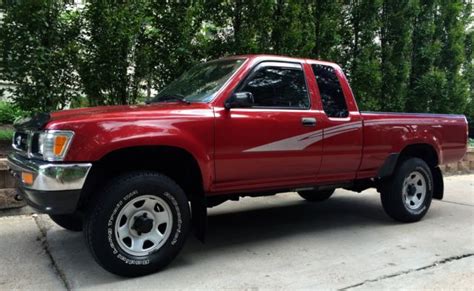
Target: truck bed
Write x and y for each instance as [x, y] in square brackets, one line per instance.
[390, 132]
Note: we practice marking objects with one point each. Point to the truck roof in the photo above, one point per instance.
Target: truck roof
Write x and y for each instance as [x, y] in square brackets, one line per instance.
[270, 57]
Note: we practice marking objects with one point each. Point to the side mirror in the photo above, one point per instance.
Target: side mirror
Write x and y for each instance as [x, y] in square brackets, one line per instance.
[240, 100]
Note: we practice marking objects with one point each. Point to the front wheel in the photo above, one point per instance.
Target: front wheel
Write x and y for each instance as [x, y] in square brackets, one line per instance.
[407, 196]
[138, 224]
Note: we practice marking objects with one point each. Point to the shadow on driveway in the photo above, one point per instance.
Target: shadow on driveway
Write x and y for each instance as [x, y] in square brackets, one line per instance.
[236, 231]
[295, 218]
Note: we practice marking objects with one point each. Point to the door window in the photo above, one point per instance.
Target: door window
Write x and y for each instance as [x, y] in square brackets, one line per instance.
[278, 86]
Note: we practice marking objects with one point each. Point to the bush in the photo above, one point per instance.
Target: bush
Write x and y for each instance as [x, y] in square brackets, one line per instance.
[6, 134]
[38, 51]
[9, 112]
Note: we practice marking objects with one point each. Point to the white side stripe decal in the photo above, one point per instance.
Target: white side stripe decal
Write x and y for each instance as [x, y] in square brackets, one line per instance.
[396, 121]
[300, 142]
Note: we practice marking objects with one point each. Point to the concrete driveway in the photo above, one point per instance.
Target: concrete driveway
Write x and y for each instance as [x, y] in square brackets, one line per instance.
[279, 242]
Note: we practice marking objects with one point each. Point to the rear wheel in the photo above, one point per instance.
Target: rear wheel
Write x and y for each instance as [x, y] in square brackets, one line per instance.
[72, 222]
[316, 195]
[138, 224]
[407, 195]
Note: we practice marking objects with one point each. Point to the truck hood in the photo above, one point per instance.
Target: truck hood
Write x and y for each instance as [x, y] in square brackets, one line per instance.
[123, 111]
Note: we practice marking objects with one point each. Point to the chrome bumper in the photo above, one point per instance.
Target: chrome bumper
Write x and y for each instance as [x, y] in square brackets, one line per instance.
[49, 176]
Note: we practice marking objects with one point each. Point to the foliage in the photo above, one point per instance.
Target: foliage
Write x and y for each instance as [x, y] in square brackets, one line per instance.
[426, 47]
[171, 39]
[395, 43]
[406, 55]
[9, 112]
[6, 134]
[109, 50]
[468, 20]
[451, 32]
[363, 54]
[38, 51]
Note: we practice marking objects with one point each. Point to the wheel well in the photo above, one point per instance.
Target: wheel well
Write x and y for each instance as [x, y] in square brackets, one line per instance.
[176, 163]
[425, 152]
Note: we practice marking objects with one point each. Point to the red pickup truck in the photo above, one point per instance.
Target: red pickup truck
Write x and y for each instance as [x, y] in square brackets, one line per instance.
[137, 178]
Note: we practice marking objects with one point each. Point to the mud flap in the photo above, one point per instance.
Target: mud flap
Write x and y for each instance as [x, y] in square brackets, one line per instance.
[438, 183]
[199, 216]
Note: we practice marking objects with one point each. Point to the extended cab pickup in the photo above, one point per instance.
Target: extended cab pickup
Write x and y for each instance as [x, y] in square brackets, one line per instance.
[137, 178]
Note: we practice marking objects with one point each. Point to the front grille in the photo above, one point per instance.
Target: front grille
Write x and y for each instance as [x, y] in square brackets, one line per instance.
[20, 141]
[35, 143]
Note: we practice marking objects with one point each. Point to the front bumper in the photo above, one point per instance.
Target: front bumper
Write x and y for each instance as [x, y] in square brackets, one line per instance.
[56, 187]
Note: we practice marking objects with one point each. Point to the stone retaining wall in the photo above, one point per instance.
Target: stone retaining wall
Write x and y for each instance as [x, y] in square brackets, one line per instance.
[7, 188]
[465, 166]
[7, 183]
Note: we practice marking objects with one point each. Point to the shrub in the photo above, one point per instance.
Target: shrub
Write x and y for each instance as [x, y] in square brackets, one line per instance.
[37, 51]
[6, 134]
[9, 112]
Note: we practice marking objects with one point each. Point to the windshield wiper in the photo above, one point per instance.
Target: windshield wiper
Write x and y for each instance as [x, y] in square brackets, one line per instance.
[173, 97]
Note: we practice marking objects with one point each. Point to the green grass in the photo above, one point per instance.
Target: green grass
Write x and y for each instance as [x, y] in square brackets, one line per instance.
[6, 134]
[471, 142]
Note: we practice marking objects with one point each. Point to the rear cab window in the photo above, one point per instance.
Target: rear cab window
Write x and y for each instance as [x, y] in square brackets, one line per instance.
[330, 90]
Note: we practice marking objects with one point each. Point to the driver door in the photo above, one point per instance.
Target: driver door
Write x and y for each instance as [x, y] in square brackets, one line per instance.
[274, 141]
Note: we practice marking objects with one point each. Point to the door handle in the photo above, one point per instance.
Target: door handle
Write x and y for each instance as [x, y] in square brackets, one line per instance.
[308, 121]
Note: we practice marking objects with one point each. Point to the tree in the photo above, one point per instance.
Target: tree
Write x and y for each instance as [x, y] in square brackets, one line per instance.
[425, 47]
[363, 52]
[407, 55]
[38, 54]
[288, 36]
[328, 21]
[109, 49]
[451, 32]
[395, 63]
[468, 19]
[241, 26]
[175, 26]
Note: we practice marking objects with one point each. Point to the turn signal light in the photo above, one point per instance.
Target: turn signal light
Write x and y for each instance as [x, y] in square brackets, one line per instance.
[60, 142]
[27, 178]
[53, 144]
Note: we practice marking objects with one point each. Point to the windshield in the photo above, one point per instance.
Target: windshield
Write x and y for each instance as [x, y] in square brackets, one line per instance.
[200, 83]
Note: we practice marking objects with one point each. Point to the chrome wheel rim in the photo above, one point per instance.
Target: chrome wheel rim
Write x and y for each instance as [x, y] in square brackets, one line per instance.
[143, 225]
[414, 190]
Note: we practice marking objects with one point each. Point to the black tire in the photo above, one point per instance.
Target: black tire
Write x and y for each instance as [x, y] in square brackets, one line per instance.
[394, 200]
[72, 222]
[316, 195]
[103, 212]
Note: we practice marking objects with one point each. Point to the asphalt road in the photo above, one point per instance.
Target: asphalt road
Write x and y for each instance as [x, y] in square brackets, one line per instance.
[279, 242]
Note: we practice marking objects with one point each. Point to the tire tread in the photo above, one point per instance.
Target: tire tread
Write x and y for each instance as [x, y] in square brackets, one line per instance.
[97, 203]
[391, 194]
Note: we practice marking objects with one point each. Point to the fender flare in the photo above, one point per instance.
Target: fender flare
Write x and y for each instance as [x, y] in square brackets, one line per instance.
[388, 166]
[438, 183]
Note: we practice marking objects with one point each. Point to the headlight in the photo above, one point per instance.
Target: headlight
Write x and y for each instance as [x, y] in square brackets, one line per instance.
[53, 144]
